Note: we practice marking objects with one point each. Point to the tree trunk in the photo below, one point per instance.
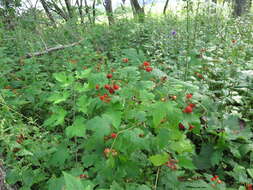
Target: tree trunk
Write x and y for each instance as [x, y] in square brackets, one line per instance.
[109, 12]
[69, 8]
[80, 9]
[87, 11]
[59, 11]
[241, 7]
[165, 7]
[46, 8]
[138, 11]
[94, 11]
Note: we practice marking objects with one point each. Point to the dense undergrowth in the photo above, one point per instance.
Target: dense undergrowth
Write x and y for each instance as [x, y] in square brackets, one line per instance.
[164, 104]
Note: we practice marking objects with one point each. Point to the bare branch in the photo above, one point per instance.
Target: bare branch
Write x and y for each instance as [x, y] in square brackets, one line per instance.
[49, 50]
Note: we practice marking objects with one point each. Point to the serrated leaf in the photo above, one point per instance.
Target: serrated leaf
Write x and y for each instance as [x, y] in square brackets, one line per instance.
[72, 183]
[83, 74]
[60, 156]
[159, 111]
[78, 128]
[183, 145]
[57, 118]
[64, 78]
[83, 103]
[58, 97]
[100, 127]
[216, 157]
[114, 117]
[184, 161]
[203, 160]
[159, 159]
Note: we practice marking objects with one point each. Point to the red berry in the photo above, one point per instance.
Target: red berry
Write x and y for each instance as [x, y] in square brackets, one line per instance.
[97, 86]
[107, 86]
[102, 98]
[113, 135]
[146, 63]
[181, 126]
[191, 127]
[116, 87]
[192, 105]
[149, 69]
[125, 60]
[107, 151]
[249, 187]
[216, 177]
[174, 97]
[109, 76]
[200, 76]
[188, 109]
[188, 96]
[83, 176]
[213, 179]
[111, 91]
[105, 95]
[219, 181]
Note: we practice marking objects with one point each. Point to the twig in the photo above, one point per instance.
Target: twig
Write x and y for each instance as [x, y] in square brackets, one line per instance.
[157, 176]
[49, 50]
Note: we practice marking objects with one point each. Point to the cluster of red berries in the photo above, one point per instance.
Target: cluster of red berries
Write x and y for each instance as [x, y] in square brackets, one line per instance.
[111, 136]
[172, 164]
[83, 176]
[125, 60]
[105, 98]
[146, 66]
[182, 127]
[189, 108]
[111, 89]
[216, 178]
[109, 151]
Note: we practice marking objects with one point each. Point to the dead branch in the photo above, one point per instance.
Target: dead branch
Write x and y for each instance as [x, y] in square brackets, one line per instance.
[49, 50]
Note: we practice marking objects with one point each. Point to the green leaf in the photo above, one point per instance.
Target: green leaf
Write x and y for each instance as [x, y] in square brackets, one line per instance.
[60, 156]
[63, 78]
[146, 96]
[250, 172]
[78, 128]
[57, 118]
[83, 74]
[183, 145]
[239, 174]
[159, 111]
[81, 87]
[159, 159]
[56, 183]
[185, 162]
[83, 103]
[216, 157]
[100, 127]
[114, 117]
[163, 137]
[72, 183]
[58, 97]
[203, 160]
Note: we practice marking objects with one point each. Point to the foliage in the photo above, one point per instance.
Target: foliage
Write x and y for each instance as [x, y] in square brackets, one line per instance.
[67, 124]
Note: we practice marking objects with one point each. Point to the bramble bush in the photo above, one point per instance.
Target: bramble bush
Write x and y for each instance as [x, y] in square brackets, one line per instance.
[131, 117]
